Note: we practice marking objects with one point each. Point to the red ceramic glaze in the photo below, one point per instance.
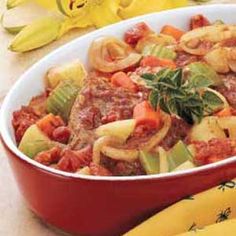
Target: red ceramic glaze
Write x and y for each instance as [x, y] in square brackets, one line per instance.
[104, 207]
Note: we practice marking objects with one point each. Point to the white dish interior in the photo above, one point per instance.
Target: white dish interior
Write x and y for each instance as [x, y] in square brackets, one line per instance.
[31, 82]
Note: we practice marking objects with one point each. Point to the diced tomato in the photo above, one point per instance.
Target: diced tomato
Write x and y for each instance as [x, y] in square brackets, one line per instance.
[213, 159]
[49, 123]
[134, 34]
[22, 120]
[198, 21]
[49, 157]
[144, 114]
[153, 61]
[71, 160]
[121, 79]
[213, 150]
[172, 31]
[99, 170]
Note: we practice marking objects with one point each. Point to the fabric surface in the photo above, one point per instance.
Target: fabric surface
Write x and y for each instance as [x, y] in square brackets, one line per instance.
[194, 213]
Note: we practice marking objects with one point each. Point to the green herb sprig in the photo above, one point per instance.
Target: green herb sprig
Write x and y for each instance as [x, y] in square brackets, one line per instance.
[187, 98]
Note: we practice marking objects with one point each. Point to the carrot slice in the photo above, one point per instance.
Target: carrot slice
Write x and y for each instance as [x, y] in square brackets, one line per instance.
[172, 31]
[153, 61]
[145, 115]
[49, 123]
[225, 112]
[121, 79]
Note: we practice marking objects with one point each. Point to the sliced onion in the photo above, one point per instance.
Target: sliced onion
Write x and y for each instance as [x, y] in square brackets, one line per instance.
[128, 155]
[217, 59]
[224, 100]
[100, 143]
[160, 135]
[99, 54]
[194, 41]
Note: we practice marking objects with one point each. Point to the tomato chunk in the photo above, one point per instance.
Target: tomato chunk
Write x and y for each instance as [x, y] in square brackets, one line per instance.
[198, 21]
[134, 34]
[71, 160]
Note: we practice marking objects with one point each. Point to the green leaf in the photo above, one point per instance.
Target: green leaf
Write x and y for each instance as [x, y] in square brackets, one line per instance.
[199, 81]
[211, 102]
[164, 105]
[148, 76]
[184, 98]
[154, 98]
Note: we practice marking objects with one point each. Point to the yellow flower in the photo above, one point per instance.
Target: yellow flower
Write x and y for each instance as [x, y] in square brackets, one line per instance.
[90, 12]
[133, 8]
[103, 12]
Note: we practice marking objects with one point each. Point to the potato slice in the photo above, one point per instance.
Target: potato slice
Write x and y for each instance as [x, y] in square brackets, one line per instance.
[73, 71]
[208, 129]
[121, 129]
[228, 123]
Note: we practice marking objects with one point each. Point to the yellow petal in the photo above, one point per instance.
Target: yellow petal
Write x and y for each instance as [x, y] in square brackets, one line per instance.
[80, 21]
[14, 3]
[140, 7]
[70, 7]
[103, 12]
[37, 34]
[125, 3]
[48, 4]
[179, 3]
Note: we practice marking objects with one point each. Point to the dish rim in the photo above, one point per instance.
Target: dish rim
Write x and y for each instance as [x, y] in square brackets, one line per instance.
[9, 143]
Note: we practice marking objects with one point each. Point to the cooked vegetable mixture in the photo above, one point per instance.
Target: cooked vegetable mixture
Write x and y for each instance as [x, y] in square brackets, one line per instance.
[152, 103]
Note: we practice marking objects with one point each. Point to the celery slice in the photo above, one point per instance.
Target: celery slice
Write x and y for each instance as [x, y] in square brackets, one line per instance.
[178, 155]
[159, 51]
[150, 162]
[62, 98]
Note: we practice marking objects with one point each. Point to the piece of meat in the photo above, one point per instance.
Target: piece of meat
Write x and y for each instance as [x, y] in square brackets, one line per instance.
[124, 168]
[140, 136]
[228, 89]
[99, 170]
[99, 102]
[178, 131]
